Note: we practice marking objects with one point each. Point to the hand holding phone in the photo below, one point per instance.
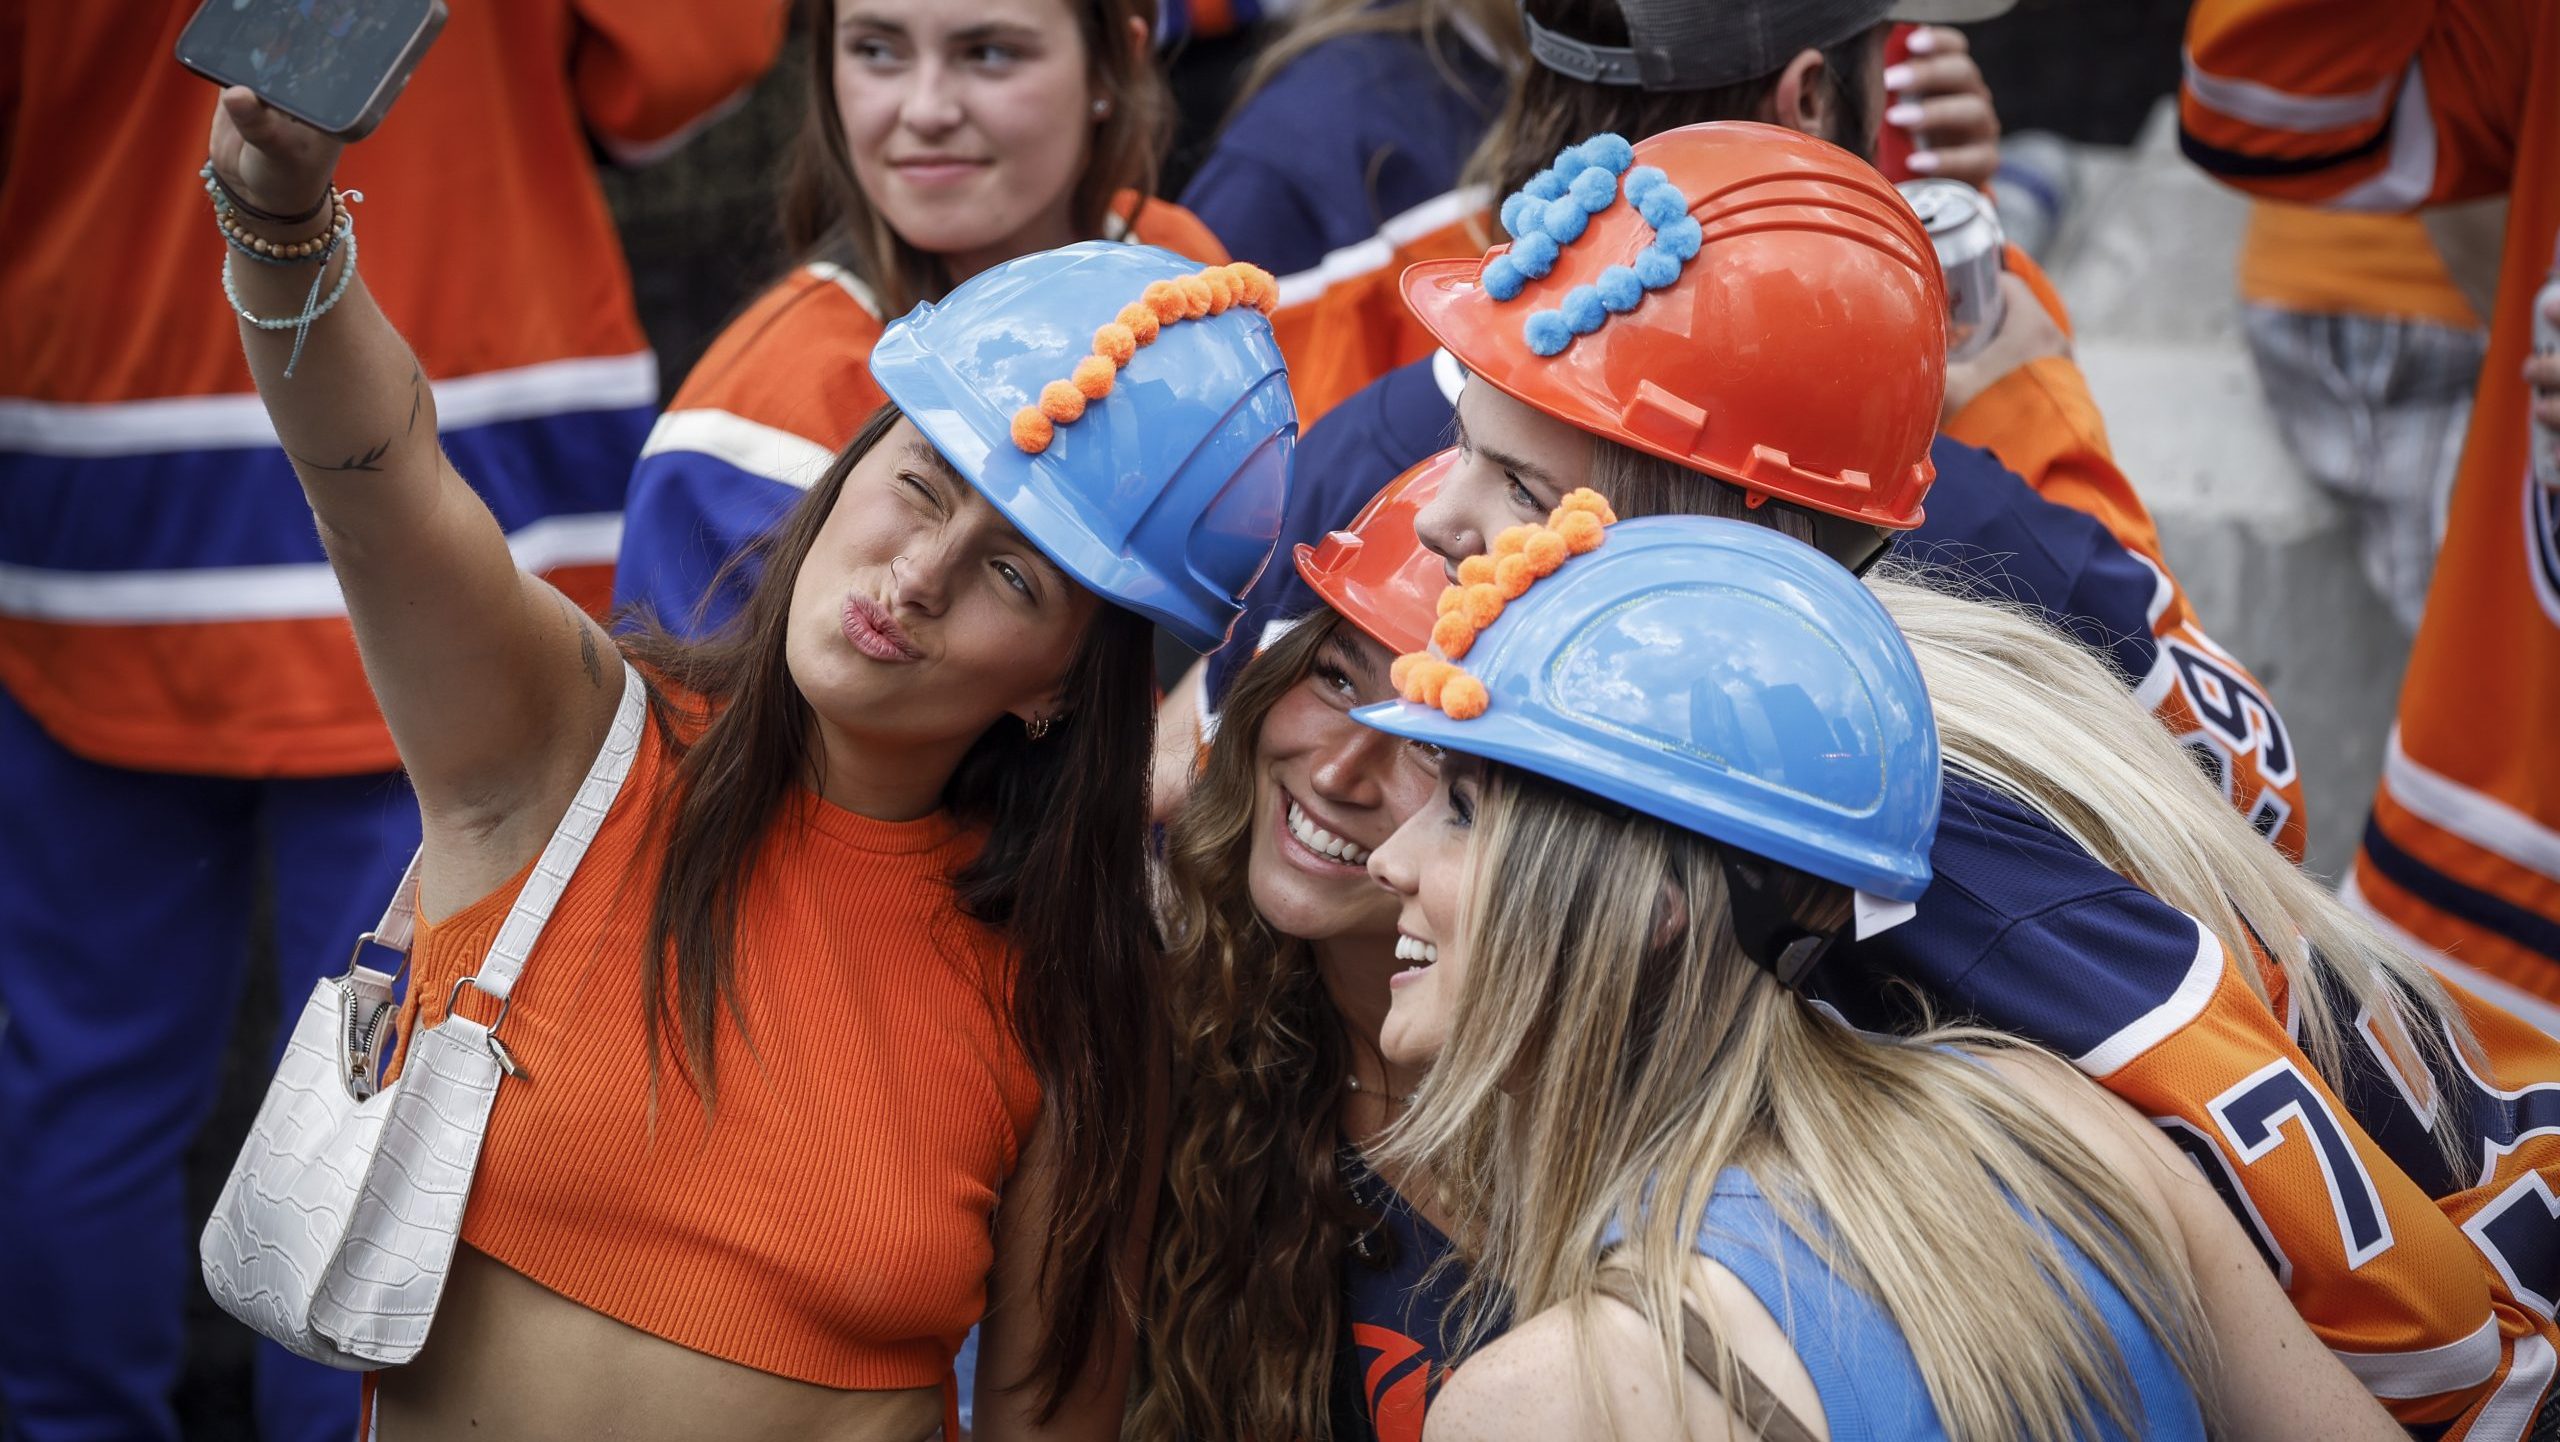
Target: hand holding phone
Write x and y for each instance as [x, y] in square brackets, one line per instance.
[334, 65]
[268, 158]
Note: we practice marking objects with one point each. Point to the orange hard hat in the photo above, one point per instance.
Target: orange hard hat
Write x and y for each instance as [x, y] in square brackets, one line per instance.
[1740, 299]
[1376, 573]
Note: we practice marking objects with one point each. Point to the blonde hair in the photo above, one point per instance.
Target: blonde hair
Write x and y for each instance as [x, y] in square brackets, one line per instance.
[1593, 1076]
[2039, 718]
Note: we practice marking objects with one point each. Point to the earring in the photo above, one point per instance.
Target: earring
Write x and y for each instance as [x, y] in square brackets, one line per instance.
[1036, 727]
[1101, 107]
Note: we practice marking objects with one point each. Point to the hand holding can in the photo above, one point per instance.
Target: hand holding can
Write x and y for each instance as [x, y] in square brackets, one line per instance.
[1971, 253]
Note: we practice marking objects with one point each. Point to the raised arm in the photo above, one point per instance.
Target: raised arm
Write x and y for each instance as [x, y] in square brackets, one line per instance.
[497, 690]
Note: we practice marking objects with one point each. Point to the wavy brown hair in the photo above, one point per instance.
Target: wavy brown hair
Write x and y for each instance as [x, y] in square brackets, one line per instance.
[825, 215]
[1243, 1294]
[1062, 876]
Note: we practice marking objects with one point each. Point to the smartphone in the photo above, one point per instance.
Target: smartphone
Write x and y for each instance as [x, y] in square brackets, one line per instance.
[335, 65]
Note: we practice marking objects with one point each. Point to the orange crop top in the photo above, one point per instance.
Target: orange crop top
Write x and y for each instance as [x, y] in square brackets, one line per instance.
[832, 1224]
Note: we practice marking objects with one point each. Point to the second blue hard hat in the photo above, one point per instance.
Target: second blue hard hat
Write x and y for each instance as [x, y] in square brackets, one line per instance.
[1720, 677]
[1159, 471]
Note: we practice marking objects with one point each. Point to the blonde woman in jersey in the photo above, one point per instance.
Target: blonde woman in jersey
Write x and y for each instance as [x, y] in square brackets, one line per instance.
[941, 137]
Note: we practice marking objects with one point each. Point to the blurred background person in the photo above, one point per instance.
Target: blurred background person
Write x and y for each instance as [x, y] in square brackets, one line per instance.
[186, 737]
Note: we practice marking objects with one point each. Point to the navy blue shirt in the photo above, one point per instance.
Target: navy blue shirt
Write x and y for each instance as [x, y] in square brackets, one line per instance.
[1351, 134]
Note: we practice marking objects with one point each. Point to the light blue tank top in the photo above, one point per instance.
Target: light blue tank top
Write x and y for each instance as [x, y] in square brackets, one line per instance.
[1870, 1385]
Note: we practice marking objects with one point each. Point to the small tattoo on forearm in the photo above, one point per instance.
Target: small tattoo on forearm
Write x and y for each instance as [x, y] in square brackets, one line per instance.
[365, 461]
[417, 395]
[586, 644]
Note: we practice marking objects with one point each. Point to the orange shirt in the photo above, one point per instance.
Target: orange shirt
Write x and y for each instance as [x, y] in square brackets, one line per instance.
[2334, 262]
[832, 1222]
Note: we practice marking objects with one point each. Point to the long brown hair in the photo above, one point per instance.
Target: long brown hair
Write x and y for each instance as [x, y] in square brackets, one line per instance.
[825, 215]
[1243, 1301]
[1549, 111]
[1061, 875]
[1497, 22]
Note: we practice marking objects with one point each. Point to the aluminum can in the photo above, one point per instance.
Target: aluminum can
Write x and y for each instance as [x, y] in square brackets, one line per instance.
[1971, 251]
[2546, 341]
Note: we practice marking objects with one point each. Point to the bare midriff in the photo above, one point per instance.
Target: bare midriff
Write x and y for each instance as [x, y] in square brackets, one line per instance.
[509, 1358]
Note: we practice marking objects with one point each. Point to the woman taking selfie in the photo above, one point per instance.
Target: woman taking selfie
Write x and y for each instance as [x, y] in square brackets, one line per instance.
[840, 1036]
[1673, 770]
[942, 138]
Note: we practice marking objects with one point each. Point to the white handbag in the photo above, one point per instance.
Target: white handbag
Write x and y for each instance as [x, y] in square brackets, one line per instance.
[337, 1225]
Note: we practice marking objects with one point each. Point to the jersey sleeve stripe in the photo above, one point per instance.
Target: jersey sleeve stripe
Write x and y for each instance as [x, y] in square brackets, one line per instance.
[2508, 1414]
[2182, 1006]
[2476, 817]
[2240, 165]
[2456, 1366]
[2494, 914]
[751, 446]
[226, 422]
[1379, 251]
[261, 593]
[2268, 108]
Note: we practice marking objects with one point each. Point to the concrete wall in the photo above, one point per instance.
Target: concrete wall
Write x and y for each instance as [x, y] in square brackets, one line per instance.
[2146, 264]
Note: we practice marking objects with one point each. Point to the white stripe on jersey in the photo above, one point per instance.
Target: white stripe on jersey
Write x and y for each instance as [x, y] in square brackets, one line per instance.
[751, 446]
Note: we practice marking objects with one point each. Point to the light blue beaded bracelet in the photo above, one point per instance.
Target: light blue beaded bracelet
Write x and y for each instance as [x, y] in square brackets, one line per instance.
[313, 307]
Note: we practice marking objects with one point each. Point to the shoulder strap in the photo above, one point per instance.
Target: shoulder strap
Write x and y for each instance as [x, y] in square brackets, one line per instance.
[1759, 1407]
[559, 859]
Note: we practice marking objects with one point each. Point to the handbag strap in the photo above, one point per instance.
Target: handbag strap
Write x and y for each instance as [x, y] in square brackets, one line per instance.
[1759, 1407]
[559, 859]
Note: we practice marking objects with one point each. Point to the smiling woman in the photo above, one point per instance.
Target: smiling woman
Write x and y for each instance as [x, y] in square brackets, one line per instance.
[942, 137]
[838, 1037]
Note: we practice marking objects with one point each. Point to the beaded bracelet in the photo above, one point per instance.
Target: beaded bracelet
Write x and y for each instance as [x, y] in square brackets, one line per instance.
[343, 231]
[238, 203]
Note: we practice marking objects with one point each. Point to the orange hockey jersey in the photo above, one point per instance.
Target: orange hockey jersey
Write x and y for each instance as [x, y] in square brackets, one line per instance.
[164, 602]
[2389, 105]
[765, 409]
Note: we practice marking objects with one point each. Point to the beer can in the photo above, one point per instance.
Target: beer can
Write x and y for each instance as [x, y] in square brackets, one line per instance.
[1971, 253]
[2546, 341]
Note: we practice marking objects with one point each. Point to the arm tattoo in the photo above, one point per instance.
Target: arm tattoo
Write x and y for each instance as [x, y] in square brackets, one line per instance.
[371, 460]
[586, 644]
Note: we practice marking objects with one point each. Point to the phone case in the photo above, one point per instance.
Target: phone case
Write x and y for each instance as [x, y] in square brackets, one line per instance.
[376, 106]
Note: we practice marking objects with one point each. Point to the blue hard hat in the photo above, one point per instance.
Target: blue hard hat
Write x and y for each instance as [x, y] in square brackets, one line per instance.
[1720, 677]
[1165, 496]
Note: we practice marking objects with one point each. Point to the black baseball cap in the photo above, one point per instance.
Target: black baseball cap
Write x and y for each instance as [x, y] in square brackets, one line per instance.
[1700, 44]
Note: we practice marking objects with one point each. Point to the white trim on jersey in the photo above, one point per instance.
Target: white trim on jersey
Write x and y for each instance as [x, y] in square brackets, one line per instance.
[2522, 1005]
[262, 593]
[2508, 1414]
[2475, 816]
[2456, 1366]
[2268, 108]
[751, 446]
[849, 283]
[2410, 175]
[1379, 251]
[2182, 1006]
[228, 422]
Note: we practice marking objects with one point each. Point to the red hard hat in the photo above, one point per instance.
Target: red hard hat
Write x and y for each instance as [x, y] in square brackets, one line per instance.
[1783, 329]
[1377, 574]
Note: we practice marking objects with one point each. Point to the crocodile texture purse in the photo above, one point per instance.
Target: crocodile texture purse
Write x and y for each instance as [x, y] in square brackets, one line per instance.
[337, 1225]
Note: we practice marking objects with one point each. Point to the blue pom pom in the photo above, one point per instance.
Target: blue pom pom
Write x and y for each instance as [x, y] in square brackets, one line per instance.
[1582, 309]
[1546, 333]
[1502, 279]
[1545, 185]
[1610, 152]
[1656, 267]
[1593, 189]
[1681, 237]
[1642, 179]
[1535, 254]
[1569, 163]
[1564, 218]
[1662, 205]
[1515, 213]
[1619, 289]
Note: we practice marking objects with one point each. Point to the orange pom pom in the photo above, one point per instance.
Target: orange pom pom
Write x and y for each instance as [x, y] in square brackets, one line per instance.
[1512, 575]
[1510, 541]
[1428, 680]
[1475, 570]
[1115, 342]
[1141, 320]
[1452, 635]
[1060, 401]
[1483, 605]
[1165, 299]
[1093, 375]
[1031, 430]
[1222, 289]
[1451, 597]
[1464, 698]
[1195, 294]
[1400, 671]
[1581, 532]
[1590, 503]
[1255, 286]
[1545, 551]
